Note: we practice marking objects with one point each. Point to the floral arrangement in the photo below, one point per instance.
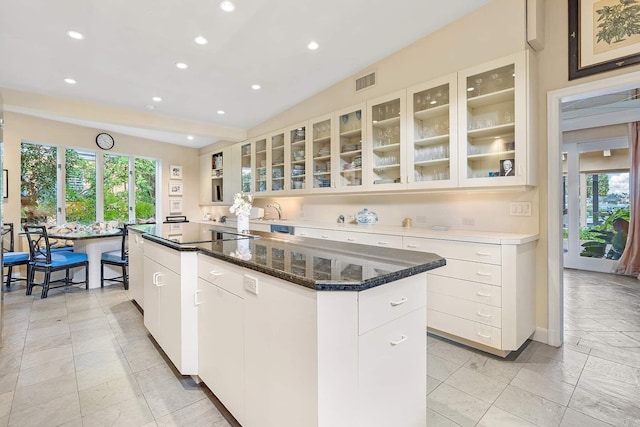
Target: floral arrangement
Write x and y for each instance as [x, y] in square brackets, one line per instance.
[242, 204]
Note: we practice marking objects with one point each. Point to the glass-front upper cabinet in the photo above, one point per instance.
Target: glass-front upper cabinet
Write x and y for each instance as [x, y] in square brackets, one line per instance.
[277, 161]
[245, 167]
[298, 155]
[350, 138]
[260, 165]
[494, 123]
[431, 133]
[321, 150]
[386, 136]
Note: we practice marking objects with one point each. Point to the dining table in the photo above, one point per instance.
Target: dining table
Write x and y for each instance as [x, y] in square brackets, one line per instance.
[93, 243]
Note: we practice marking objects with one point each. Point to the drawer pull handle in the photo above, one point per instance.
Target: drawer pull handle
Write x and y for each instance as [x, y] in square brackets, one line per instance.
[480, 334]
[402, 339]
[398, 302]
[156, 279]
[483, 315]
[483, 254]
[482, 294]
[383, 243]
[195, 298]
[480, 273]
[351, 239]
[412, 246]
[214, 274]
[324, 236]
[302, 233]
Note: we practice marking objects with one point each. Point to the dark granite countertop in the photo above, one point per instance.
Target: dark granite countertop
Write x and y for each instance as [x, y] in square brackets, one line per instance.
[319, 265]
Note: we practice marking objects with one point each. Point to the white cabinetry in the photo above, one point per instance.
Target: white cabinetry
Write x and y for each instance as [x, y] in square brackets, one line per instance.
[136, 259]
[170, 280]
[348, 159]
[373, 239]
[215, 185]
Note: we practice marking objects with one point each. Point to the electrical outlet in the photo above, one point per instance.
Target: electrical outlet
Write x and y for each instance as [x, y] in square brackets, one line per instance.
[421, 219]
[251, 284]
[520, 208]
[468, 221]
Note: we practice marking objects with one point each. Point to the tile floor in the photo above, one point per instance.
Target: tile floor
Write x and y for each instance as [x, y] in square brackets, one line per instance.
[103, 369]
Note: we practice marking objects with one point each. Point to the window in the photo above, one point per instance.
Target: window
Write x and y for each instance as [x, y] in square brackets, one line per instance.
[54, 194]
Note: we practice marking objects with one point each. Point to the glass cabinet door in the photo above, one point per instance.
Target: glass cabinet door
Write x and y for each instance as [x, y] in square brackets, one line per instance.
[493, 123]
[432, 111]
[387, 135]
[277, 162]
[245, 167]
[298, 157]
[321, 150]
[260, 166]
[350, 138]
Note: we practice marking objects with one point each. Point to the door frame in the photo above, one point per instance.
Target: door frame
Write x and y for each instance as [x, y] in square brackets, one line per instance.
[555, 300]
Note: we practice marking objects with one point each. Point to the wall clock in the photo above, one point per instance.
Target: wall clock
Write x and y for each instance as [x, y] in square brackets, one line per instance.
[105, 141]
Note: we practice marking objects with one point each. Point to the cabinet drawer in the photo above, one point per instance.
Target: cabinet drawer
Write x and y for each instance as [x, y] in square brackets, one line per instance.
[169, 258]
[382, 240]
[466, 309]
[382, 304]
[474, 271]
[317, 233]
[473, 331]
[464, 289]
[468, 251]
[224, 275]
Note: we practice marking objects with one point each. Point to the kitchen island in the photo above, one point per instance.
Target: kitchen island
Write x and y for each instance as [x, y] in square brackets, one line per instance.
[290, 331]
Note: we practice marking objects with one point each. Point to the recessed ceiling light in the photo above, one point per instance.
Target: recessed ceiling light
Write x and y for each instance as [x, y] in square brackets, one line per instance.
[182, 65]
[157, 99]
[75, 35]
[190, 137]
[150, 107]
[221, 112]
[313, 45]
[70, 81]
[200, 40]
[255, 87]
[227, 5]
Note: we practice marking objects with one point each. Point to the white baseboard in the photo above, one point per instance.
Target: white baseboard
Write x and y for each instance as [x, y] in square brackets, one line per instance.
[541, 335]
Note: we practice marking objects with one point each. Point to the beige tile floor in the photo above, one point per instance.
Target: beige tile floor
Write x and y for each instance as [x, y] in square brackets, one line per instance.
[103, 369]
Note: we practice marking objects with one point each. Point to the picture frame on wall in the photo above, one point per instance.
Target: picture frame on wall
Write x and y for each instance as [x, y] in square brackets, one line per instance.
[5, 183]
[604, 35]
[175, 172]
[175, 206]
[175, 188]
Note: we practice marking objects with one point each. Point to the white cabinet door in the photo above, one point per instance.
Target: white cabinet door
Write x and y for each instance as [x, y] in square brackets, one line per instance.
[348, 162]
[152, 297]
[321, 146]
[136, 268]
[170, 309]
[221, 349]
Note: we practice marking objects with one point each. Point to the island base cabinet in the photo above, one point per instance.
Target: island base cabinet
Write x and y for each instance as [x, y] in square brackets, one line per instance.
[136, 260]
[393, 373]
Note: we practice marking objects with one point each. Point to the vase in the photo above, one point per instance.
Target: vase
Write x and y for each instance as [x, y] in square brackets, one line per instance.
[243, 224]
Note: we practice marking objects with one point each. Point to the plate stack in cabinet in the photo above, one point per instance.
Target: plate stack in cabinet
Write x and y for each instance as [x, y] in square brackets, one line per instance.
[351, 137]
[245, 167]
[321, 149]
[386, 148]
[432, 134]
[298, 155]
[260, 166]
[277, 162]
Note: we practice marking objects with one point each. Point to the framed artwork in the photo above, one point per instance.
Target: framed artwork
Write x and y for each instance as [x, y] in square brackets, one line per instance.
[175, 172]
[603, 35]
[175, 188]
[5, 183]
[175, 206]
[507, 167]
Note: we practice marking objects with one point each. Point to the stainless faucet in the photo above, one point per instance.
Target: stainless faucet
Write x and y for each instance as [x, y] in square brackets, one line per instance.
[277, 207]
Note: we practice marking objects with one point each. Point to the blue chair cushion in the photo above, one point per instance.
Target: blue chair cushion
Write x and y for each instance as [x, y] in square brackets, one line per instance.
[114, 256]
[60, 259]
[15, 257]
[62, 249]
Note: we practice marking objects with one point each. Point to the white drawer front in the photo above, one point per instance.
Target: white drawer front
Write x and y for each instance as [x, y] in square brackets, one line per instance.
[468, 251]
[382, 304]
[222, 274]
[317, 233]
[169, 258]
[464, 289]
[474, 271]
[473, 331]
[382, 240]
[466, 309]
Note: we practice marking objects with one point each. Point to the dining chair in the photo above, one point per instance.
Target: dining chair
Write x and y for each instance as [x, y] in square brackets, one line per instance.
[119, 258]
[10, 258]
[43, 259]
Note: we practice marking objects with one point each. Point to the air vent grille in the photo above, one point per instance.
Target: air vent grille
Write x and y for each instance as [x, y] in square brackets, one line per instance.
[365, 81]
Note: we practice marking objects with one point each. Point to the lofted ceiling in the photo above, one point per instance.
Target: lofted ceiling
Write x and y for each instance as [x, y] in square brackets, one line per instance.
[130, 50]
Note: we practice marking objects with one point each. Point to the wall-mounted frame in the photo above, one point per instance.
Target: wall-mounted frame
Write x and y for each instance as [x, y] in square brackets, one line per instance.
[175, 206]
[175, 172]
[604, 35]
[5, 183]
[175, 188]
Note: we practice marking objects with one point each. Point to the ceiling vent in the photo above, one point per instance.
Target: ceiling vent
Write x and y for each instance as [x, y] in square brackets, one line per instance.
[365, 81]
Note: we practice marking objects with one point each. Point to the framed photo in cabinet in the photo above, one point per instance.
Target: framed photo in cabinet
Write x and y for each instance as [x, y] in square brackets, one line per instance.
[603, 35]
